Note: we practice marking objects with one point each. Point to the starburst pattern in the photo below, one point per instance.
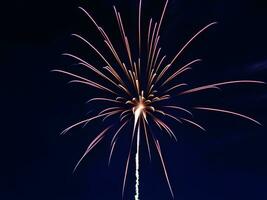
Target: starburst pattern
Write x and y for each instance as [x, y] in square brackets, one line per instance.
[139, 89]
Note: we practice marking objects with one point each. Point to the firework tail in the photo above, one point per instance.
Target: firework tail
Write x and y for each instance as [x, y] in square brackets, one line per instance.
[136, 197]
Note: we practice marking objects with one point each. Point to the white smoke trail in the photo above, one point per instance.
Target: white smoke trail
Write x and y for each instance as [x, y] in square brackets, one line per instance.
[138, 111]
[136, 197]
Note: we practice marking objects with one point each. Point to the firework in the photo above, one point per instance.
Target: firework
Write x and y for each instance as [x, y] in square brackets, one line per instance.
[135, 89]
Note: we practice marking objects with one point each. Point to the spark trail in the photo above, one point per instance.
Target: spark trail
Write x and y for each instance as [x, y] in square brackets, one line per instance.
[136, 91]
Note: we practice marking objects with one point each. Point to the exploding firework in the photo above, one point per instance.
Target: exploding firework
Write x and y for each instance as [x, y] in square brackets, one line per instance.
[135, 90]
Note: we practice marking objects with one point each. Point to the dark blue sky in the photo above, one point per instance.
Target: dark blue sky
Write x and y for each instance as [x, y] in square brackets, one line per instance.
[228, 162]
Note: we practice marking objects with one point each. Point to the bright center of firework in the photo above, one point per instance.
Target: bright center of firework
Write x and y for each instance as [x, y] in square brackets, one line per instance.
[139, 108]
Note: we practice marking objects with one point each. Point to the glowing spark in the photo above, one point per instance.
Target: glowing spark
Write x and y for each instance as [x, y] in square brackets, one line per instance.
[138, 91]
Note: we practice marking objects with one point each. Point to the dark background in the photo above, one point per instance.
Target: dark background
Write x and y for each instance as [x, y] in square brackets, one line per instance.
[228, 162]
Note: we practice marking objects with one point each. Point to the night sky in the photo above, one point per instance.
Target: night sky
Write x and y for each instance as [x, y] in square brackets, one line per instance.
[229, 161]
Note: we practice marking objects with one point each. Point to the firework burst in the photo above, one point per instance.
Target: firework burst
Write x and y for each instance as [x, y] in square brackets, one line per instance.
[135, 89]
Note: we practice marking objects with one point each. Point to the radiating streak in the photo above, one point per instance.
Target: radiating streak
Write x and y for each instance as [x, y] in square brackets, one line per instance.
[106, 38]
[117, 57]
[147, 101]
[83, 122]
[179, 108]
[112, 113]
[128, 50]
[71, 74]
[108, 115]
[163, 72]
[153, 52]
[127, 73]
[181, 70]
[111, 152]
[86, 64]
[148, 35]
[113, 72]
[162, 16]
[173, 117]
[133, 80]
[150, 108]
[150, 89]
[92, 145]
[131, 102]
[161, 19]
[138, 86]
[194, 123]
[82, 62]
[169, 115]
[132, 76]
[135, 71]
[215, 85]
[85, 81]
[109, 109]
[176, 86]
[115, 54]
[157, 99]
[125, 89]
[153, 46]
[124, 112]
[114, 140]
[199, 89]
[198, 33]
[156, 59]
[228, 112]
[163, 165]
[98, 72]
[104, 99]
[168, 129]
[93, 84]
[121, 98]
[124, 116]
[124, 37]
[160, 123]
[139, 26]
[160, 111]
[92, 19]
[157, 37]
[150, 48]
[239, 81]
[182, 49]
[157, 124]
[146, 135]
[139, 66]
[160, 63]
[150, 96]
[151, 78]
[176, 74]
[118, 21]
